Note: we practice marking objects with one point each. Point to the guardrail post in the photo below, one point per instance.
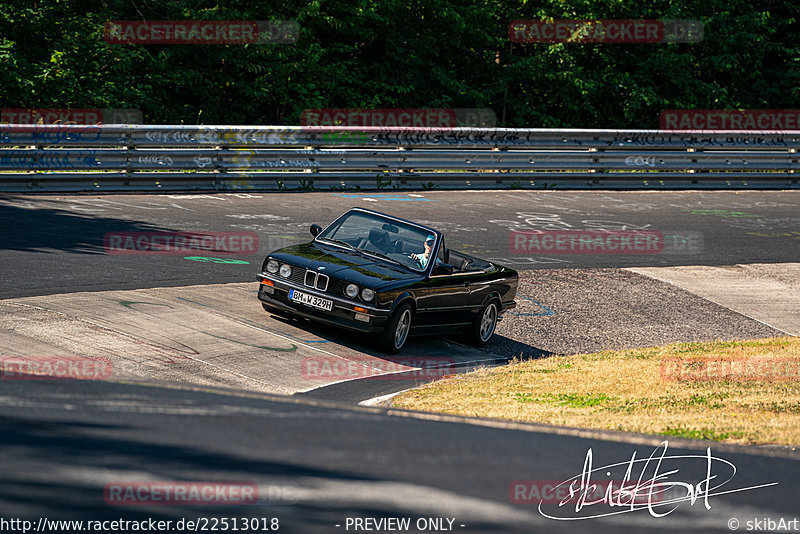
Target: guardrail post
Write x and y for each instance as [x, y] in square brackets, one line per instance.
[499, 179]
[129, 149]
[596, 160]
[694, 172]
[219, 169]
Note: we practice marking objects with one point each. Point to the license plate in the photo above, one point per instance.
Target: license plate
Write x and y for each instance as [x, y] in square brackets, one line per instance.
[310, 300]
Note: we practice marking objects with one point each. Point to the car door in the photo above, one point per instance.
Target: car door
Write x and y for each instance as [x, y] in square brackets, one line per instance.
[442, 299]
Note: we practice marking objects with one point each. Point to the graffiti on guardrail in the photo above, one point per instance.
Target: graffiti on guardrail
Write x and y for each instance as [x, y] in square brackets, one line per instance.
[156, 160]
[390, 136]
[641, 161]
[18, 159]
[588, 154]
[50, 134]
[279, 136]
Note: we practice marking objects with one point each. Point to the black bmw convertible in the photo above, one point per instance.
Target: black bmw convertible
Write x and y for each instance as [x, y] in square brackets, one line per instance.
[377, 274]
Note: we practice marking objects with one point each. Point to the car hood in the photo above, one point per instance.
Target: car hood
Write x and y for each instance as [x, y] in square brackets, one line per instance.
[354, 267]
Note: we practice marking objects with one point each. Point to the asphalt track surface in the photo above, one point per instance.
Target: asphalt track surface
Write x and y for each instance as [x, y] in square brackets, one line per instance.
[316, 463]
[54, 244]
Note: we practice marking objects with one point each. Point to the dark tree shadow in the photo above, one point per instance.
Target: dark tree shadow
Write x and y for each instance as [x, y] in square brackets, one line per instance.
[43, 230]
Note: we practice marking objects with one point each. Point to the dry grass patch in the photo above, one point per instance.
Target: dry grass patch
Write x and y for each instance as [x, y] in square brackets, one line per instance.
[738, 391]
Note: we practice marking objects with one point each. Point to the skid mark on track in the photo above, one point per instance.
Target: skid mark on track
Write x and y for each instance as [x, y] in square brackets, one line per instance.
[250, 324]
[130, 305]
[158, 352]
[253, 323]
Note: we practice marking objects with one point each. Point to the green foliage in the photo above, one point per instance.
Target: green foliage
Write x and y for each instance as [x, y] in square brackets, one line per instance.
[395, 54]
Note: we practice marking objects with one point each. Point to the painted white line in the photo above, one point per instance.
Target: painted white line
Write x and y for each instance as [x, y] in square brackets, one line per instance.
[408, 370]
[377, 401]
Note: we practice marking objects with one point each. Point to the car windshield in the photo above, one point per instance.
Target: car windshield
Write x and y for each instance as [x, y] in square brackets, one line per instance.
[379, 236]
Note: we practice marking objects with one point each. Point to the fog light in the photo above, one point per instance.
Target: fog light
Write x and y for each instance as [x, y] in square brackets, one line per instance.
[266, 287]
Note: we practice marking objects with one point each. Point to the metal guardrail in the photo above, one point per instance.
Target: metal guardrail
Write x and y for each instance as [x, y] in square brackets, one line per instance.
[131, 157]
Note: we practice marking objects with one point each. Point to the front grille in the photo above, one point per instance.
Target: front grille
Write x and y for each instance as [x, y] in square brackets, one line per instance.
[297, 275]
[337, 286]
[322, 282]
[319, 281]
[316, 280]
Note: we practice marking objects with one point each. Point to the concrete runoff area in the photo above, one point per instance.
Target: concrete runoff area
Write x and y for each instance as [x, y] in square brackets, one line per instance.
[219, 335]
[210, 335]
[766, 292]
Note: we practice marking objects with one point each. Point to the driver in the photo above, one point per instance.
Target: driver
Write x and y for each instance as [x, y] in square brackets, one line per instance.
[422, 259]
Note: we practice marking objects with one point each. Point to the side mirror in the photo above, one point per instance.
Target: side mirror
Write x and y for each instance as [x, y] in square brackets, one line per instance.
[443, 268]
[315, 229]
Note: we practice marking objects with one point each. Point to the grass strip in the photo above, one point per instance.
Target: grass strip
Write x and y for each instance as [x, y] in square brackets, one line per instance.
[731, 391]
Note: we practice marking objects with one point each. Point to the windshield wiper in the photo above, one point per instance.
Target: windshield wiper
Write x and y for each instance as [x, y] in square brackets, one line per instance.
[338, 242]
[381, 256]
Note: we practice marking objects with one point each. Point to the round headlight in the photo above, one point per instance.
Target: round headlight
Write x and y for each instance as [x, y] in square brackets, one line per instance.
[285, 271]
[272, 266]
[351, 290]
[367, 294]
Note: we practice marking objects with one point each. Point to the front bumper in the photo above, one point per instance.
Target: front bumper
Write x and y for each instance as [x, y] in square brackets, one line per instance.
[276, 298]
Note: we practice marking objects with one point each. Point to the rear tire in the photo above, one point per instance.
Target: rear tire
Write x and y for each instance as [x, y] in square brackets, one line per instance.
[395, 334]
[482, 329]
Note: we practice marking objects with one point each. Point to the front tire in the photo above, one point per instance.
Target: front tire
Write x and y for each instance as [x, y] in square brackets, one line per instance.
[395, 334]
[483, 326]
